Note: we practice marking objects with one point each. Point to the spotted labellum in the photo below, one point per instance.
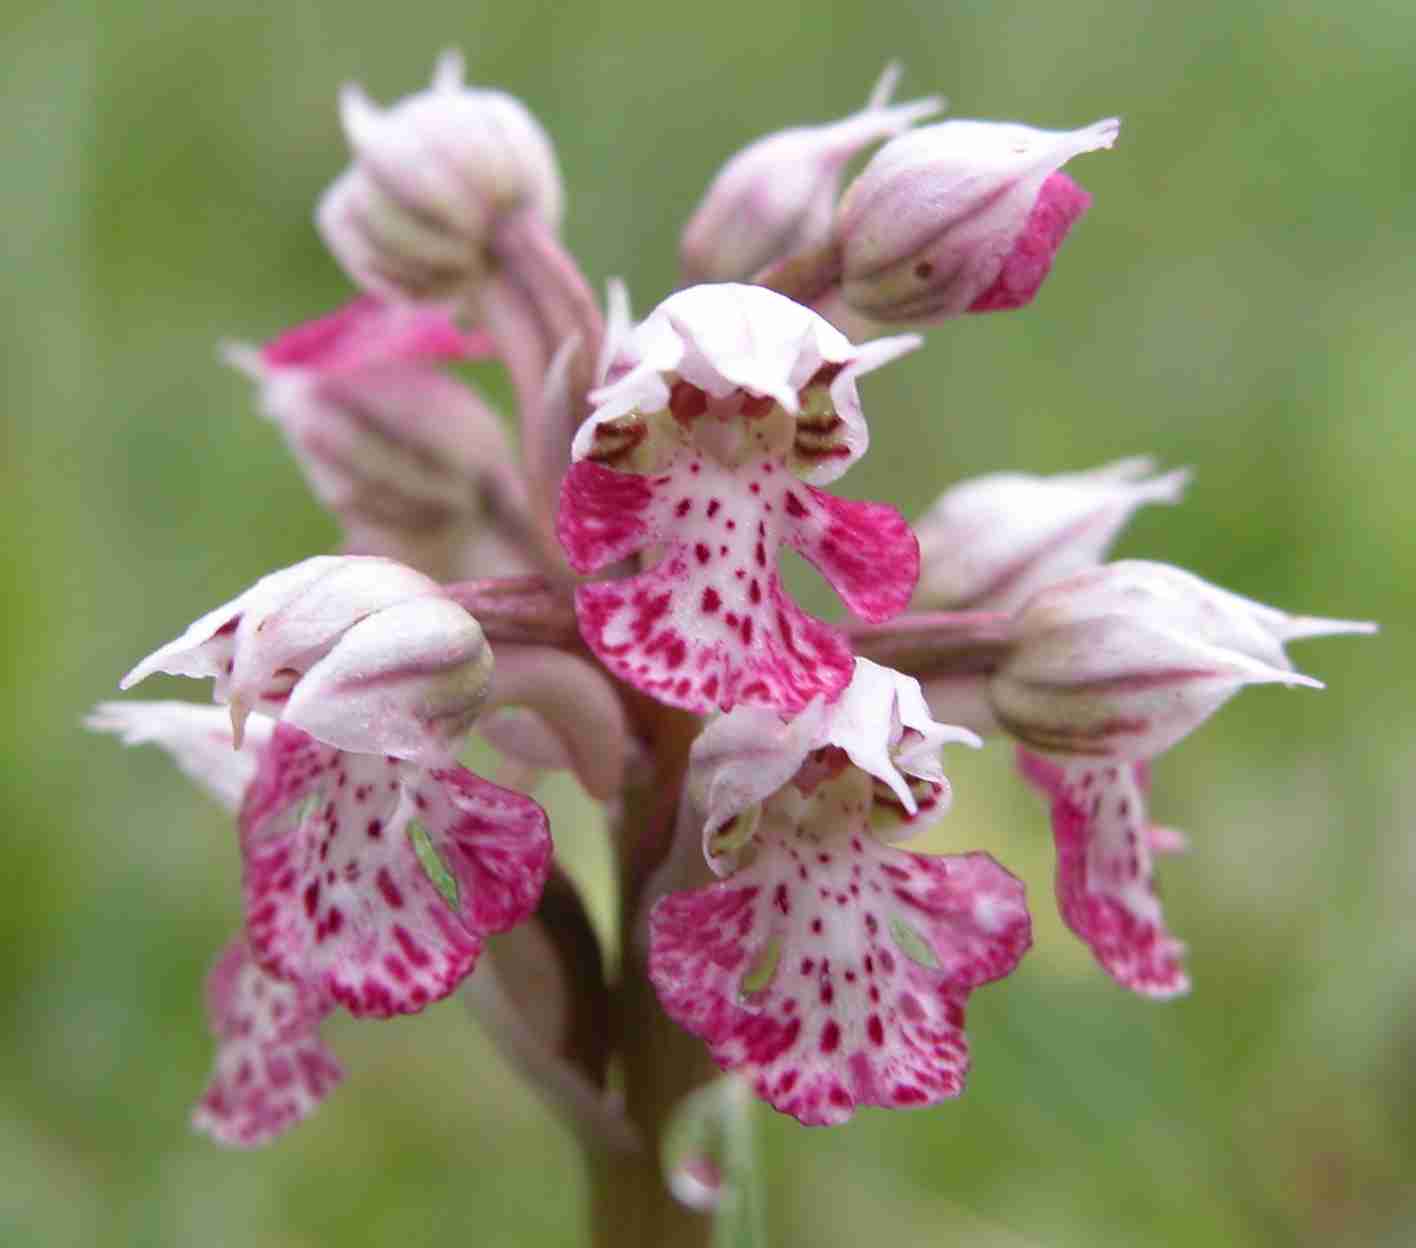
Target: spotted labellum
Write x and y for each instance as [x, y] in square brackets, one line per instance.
[601, 593]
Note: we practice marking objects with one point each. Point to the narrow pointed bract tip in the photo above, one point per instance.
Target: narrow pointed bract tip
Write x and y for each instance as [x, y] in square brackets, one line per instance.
[241, 356]
[357, 112]
[239, 711]
[1104, 132]
[885, 85]
[1302, 627]
[451, 70]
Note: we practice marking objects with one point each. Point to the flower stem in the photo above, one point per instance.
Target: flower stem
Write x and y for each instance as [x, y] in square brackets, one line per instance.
[659, 1064]
[631, 1206]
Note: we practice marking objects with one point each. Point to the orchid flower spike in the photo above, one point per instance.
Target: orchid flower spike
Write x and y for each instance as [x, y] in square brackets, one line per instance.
[719, 412]
[414, 463]
[830, 968]
[961, 216]
[432, 176]
[992, 542]
[1109, 669]
[362, 653]
[777, 196]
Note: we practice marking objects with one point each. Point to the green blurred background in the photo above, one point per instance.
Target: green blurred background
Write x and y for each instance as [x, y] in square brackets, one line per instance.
[1238, 300]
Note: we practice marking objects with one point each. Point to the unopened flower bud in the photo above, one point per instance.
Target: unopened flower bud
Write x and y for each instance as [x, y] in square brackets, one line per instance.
[1124, 660]
[431, 178]
[992, 542]
[413, 462]
[963, 216]
[362, 653]
[777, 195]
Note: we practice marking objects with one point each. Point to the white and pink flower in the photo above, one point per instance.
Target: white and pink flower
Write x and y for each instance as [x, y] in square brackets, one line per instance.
[830, 968]
[369, 882]
[1109, 669]
[720, 411]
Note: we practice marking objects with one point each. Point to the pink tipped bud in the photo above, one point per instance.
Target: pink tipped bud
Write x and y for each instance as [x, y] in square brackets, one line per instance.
[1123, 661]
[992, 542]
[432, 176]
[413, 462]
[963, 216]
[362, 653]
[776, 196]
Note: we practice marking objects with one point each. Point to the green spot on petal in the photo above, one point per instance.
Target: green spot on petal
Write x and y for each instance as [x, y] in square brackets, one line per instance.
[759, 974]
[737, 832]
[433, 866]
[912, 944]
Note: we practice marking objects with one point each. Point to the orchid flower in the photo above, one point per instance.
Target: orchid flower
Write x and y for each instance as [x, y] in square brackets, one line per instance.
[1110, 668]
[719, 413]
[829, 967]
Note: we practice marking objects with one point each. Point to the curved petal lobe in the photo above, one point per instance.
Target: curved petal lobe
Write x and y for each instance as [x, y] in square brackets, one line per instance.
[271, 1068]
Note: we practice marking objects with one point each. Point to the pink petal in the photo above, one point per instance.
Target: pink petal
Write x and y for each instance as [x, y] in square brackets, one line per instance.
[369, 333]
[709, 625]
[1104, 887]
[336, 895]
[867, 551]
[777, 657]
[807, 971]
[271, 1068]
[1059, 205]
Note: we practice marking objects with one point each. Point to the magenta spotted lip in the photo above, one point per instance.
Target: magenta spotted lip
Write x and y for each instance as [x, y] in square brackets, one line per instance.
[849, 1014]
[338, 896]
[271, 1070]
[709, 625]
[1105, 890]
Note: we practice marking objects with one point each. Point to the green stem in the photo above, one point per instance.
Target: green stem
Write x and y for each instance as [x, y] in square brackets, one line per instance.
[659, 1064]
